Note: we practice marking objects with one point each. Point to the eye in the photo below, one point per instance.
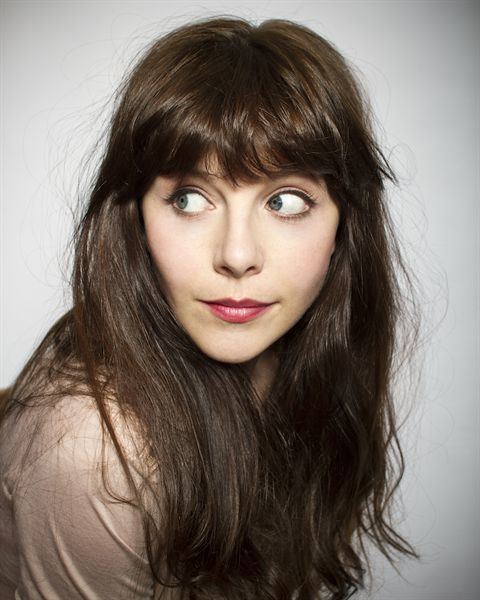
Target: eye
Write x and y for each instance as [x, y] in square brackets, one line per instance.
[184, 199]
[291, 203]
[287, 204]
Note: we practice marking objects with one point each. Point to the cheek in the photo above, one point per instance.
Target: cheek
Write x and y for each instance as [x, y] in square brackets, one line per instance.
[176, 264]
[307, 266]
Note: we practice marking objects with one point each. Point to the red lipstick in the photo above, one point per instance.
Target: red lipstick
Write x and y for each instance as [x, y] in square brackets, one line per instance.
[237, 311]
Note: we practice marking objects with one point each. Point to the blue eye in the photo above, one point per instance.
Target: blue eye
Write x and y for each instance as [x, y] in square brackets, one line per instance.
[291, 202]
[187, 198]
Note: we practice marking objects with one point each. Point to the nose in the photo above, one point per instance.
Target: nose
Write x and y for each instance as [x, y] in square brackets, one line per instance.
[240, 250]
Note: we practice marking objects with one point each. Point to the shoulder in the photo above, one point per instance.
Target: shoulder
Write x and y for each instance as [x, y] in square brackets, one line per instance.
[69, 437]
[70, 533]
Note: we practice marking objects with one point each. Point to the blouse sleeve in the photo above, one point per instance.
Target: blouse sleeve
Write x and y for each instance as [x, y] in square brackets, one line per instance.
[75, 541]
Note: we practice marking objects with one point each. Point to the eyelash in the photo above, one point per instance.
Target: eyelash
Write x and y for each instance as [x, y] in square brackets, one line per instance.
[311, 202]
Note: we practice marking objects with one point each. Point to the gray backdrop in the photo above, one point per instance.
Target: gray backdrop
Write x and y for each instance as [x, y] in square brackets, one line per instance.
[419, 60]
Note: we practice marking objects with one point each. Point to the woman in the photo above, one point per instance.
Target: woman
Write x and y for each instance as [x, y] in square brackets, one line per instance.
[213, 418]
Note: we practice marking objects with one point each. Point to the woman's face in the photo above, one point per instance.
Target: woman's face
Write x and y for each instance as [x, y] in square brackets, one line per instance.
[216, 241]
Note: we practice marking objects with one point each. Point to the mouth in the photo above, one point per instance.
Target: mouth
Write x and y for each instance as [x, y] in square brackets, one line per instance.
[237, 314]
[242, 303]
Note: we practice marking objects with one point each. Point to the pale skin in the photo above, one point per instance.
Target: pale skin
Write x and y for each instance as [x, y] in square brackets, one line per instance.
[236, 245]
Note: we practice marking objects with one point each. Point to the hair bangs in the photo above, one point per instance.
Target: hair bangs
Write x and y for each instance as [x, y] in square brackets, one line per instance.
[241, 119]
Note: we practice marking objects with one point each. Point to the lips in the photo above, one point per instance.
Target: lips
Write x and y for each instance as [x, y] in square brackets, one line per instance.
[237, 314]
[242, 303]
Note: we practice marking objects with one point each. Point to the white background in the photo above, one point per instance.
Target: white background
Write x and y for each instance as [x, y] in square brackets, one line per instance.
[60, 63]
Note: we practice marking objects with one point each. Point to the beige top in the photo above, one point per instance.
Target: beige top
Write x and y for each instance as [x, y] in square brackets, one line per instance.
[61, 537]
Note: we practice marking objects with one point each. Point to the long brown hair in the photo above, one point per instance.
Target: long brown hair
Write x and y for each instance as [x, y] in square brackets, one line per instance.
[255, 497]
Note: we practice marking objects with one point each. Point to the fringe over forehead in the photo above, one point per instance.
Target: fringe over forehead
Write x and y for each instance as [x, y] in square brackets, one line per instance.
[256, 98]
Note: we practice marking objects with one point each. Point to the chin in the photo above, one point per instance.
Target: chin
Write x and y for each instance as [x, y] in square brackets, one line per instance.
[234, 356]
